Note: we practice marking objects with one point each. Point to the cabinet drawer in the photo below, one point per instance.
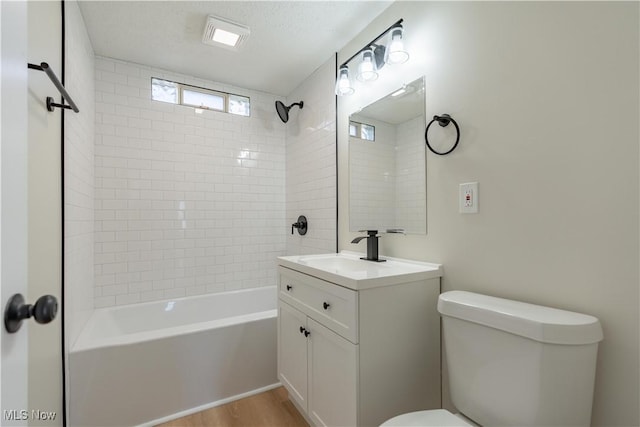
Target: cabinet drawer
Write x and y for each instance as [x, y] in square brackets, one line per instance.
[327, 303]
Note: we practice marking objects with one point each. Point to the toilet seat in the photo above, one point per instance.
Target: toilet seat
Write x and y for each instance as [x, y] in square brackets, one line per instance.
[436, 417]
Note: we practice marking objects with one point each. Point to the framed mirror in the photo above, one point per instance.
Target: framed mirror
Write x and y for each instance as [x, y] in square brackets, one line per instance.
[387, 163]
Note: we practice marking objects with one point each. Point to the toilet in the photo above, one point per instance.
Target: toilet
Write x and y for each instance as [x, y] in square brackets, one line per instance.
[513, 364]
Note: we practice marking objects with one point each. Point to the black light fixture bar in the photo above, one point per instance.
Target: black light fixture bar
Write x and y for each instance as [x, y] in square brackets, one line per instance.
[50, 104]
[371, 43]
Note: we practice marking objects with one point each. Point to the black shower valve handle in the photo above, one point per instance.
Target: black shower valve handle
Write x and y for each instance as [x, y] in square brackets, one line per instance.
[301, 225]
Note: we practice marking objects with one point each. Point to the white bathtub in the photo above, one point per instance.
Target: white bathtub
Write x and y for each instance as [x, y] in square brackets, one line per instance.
[148, 363]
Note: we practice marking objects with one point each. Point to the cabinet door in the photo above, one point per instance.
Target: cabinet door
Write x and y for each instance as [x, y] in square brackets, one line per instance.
[292, 352]
[333, 377]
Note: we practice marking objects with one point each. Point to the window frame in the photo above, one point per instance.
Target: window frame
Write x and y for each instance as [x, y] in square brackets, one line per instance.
[182, 86]
[224, 96]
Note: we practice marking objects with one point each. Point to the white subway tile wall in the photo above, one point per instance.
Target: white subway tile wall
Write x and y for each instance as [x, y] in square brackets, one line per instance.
[311, 163]
[372, 180]
[411, 179]
[387, 178]
[78, 175]
[185, 203]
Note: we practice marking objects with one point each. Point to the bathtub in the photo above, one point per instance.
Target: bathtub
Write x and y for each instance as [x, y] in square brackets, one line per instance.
[148, 363]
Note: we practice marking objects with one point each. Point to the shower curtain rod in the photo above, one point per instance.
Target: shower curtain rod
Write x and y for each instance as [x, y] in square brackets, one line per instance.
[50, 104]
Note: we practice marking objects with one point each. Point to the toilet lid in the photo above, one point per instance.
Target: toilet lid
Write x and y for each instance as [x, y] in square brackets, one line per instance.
[436, 417]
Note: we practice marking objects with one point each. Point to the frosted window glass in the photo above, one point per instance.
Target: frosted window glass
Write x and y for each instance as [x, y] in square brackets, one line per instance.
[203, 100]
[239, 105]
[163, 90]
[353, 129]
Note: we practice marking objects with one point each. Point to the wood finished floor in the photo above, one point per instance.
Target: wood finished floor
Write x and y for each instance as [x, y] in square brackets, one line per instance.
[269, 409]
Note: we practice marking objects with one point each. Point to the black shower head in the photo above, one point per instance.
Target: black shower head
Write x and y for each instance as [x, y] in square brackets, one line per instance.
[283, 110]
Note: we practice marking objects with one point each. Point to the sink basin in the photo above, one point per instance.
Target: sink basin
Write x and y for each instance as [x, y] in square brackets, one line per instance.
[347, 269]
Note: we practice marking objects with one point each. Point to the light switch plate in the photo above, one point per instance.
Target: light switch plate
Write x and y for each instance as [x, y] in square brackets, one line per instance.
[468, 196]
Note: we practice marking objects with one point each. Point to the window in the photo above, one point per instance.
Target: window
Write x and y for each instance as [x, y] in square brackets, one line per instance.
[165, 91]
[210, 101]
[362, 131]
[197, 97]
[239, 105]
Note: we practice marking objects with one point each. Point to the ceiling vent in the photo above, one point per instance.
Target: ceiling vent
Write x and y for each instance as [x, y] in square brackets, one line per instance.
[224, 33]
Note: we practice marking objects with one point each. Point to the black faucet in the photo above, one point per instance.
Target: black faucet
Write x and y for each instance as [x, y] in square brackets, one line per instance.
[372, 245]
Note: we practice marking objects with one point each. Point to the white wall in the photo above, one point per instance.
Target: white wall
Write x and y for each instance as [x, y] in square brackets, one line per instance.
[311, 163]
[79, 134]
[546, 95]
[186, 203]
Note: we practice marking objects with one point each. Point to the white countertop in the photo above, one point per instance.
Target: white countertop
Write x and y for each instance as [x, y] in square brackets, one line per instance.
[348, 270]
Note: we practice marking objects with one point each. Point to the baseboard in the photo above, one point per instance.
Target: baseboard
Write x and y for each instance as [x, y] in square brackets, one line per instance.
[208, 406]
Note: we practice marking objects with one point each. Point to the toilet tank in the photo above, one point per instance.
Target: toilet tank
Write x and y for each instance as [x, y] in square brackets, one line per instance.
[517, 364]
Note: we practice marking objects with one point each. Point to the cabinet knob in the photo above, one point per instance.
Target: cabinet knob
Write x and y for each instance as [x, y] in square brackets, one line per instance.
[326, 305]
[289, 287]
[302, 330]
[307, 333]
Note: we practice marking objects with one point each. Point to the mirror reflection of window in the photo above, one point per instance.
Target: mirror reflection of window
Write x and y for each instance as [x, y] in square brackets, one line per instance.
[362, 131]
[353, 129]
[367, 132]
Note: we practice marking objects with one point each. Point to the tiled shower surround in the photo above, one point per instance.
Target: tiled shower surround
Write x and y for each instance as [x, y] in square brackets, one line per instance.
[185, 203]
[311, 163]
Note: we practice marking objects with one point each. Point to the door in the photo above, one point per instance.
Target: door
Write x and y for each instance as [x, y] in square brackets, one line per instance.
[13, 199]
[44, 204]
[333, 377]
[30, 222]
[292, 352]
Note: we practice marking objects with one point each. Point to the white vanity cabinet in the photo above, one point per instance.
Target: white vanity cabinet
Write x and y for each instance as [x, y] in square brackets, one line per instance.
[317, 369]
[316, 364]
[356, 357]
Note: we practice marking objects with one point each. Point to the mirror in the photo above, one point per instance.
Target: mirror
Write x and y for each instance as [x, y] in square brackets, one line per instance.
[387, 163]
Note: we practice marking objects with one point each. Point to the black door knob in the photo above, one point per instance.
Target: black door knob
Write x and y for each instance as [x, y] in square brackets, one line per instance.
[326, 305]
[289, 287]
[43, 311]
[302, 330]
[307, 333]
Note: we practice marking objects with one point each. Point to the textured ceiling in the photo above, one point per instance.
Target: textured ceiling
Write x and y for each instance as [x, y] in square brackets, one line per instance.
[289, 39]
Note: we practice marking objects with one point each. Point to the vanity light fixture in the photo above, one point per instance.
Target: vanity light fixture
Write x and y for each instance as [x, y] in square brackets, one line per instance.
[367, 70]
[343, 85]
[224, 33]
[395, 52]
[373, 56]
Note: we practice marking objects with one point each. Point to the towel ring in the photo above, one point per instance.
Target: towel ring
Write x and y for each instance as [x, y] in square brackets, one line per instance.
[443, 121]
